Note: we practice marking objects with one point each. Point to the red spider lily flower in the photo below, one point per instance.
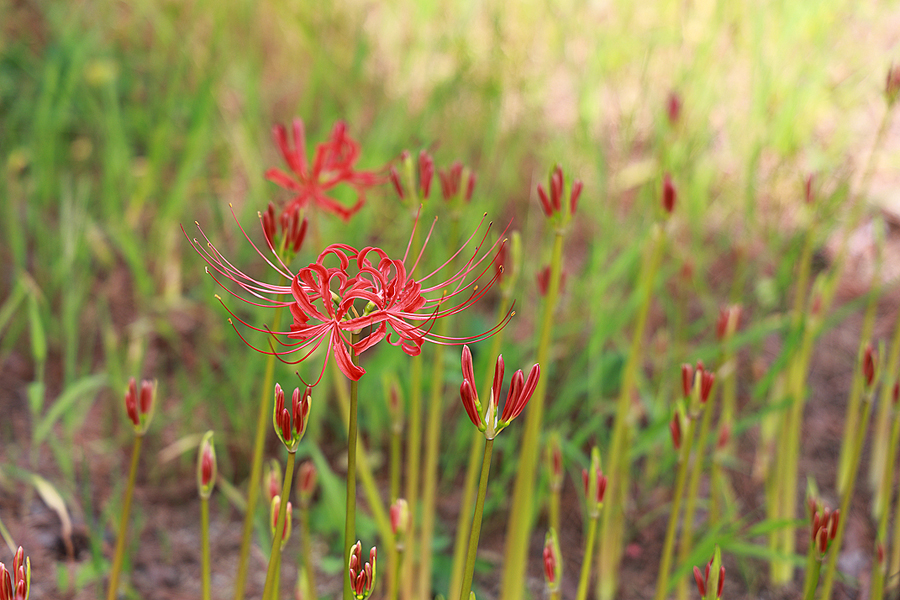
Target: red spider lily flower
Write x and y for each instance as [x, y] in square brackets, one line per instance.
[363, 292]
[824, 529]
[16, 585]
[332, 165]
[206, 466]
[520, 391]
[290, 425]
[362, 576]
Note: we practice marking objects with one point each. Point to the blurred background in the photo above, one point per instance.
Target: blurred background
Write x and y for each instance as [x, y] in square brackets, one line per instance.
[121, 122]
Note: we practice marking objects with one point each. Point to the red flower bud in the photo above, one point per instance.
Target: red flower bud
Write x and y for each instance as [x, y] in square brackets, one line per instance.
[675, 430]
[668, 194]
[868, 365]
[687, 379]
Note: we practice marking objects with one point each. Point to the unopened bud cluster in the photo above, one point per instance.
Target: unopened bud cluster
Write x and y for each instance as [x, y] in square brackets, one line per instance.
[552, 561]
[362, 576]
[206, 466]
[594, 485]
[16, 585]
[290, 425]
[139, 405]
[552, 201]
[520, 391]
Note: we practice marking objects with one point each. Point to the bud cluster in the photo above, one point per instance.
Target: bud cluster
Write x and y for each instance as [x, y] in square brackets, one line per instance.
[703, 579]
[520, 391]
[823, 527]
[275, 508]
[293, 230]
[594, 485]
[451, 182]
[290, 425]
[552, 202]
[140, 405]
[306, 482]
[16, 585]
[362, 576]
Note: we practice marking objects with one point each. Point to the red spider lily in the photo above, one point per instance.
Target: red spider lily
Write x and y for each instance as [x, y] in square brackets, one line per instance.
[669, 194]
[594, 485]
[348, 291]
[703, 580]
[520, 391]
[139, 405]
[16, 585]
[362, 576]
[332, 165]
[400, 517]
[290, 425]
[288, 519]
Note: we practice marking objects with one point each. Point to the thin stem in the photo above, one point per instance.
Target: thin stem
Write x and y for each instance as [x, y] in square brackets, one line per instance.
[476, 521]
[394, 585]
[413, 459]
[585, 576]
[520, 515]
[883, 499]
[123, 522]
[687, 528]
[845, 503]
[662, 581]
[395, 466]
[476, 449]
[432, 440]
[262, 419]
[204, 540]
[305, 539]
[612, 519]
[270, 591]
[813, 568]
[350, 515]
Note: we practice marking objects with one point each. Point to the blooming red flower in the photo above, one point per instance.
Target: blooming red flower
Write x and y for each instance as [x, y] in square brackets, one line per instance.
[364, 292]
[332, 165]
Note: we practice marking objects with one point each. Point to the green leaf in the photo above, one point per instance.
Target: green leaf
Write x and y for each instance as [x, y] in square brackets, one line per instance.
[71, 395]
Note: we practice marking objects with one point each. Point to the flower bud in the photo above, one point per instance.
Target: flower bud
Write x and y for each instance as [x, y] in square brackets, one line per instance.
[306, 482]
[140, 405]
[362, 576]
[288, 518]
[206, 466]
[426, 173]
[399, 518]
[868, 365]
[892, 85]
[668, 194]
[673, 107]
[272, 480]
[552, 561]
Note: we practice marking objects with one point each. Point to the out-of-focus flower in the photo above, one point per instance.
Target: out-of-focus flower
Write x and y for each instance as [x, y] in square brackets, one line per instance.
[348, 291]
[703, 579]
[288, 519]
[16, 585]
[552, 561]
[400, 518]
[332, 165]
[552, 202]
[892, 85]
[451, 182]
[286, 232]
[870, 357]
[824, 526]
[673, 107]
[306, 482]
[272, 480]
[669, 194]
[362, 576]
[140, 406]
[206, 466]
[594, 485]
[520, 391]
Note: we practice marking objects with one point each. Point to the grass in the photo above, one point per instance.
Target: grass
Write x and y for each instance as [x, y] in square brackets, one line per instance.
[122, 122]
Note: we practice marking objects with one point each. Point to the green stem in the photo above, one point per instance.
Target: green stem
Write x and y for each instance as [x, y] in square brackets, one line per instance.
[520, 515]
[813, 568]
[845, 504]
[666, 562]
[585, 576]
[432, 440]
[413, 459]
[394, 585]
[612, 520]
[476, 448]
[263, 418]
[883, 499]
[880, 448]
[305, 539]
[395, 466]
[4, 533]
[123, 522]
[687, 528]
[350, 514]
[475, 532]
[204, 540]
[270, 591]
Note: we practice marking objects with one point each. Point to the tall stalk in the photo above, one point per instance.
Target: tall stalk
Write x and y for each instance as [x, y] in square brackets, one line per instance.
[119, 557]
[262, 423]
[270, 590]
[520, 516]
[475, 532]
[612, 521]
[350, 514]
